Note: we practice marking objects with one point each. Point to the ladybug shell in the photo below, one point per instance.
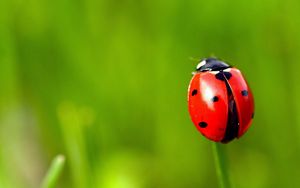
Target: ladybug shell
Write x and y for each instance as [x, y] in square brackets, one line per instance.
[208, 102]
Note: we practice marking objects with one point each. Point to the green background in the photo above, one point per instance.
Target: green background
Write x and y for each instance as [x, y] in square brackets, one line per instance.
[105, 84]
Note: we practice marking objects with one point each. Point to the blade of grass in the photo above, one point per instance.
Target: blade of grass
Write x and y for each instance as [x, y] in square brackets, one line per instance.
[54, 171]
[221, 165]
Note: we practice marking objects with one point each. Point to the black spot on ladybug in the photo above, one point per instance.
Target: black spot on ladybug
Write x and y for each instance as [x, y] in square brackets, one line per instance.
[228, 75]
[244, 93]
[215, 99]
[202, 124]
[222, 75]
[194, 92]
[252, 116]
[219, 76]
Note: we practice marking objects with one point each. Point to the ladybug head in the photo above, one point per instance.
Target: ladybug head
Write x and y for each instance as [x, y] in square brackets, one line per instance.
[211, 64]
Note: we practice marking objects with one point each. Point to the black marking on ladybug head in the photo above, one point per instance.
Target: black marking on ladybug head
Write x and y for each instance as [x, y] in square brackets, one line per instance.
[211, 64]
[202, 124]
[244, 93]
[252, 116]
[215, 99]
[194, 92]
[222, 75]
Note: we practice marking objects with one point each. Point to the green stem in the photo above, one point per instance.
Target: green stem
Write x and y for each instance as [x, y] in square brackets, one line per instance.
[54, 171]
[221, 165]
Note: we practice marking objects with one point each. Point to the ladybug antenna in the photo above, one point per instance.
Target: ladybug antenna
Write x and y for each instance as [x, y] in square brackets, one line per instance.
[212, 55]
[194, 59]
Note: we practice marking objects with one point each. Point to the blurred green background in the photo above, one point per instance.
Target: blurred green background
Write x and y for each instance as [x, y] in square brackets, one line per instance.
[105, 84]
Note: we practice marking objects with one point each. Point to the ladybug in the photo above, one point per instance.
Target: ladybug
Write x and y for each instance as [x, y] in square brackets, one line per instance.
[220, 101]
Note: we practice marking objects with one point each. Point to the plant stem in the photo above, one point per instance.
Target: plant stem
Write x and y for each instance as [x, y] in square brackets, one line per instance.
[54, 171]
[221, 165]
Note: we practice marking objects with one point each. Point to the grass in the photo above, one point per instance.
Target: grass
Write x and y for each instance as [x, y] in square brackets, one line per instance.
[221, 165]
[54, 172]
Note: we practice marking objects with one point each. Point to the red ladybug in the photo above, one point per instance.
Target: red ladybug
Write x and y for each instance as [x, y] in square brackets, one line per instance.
[220, 101]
